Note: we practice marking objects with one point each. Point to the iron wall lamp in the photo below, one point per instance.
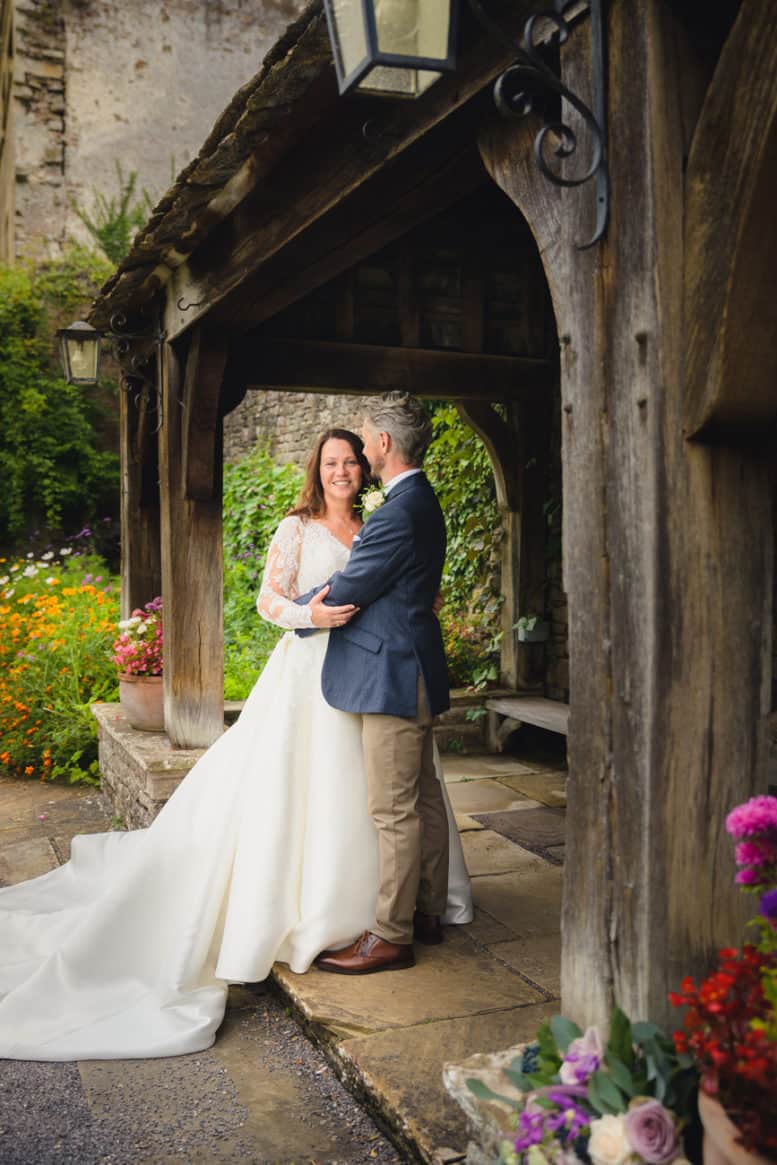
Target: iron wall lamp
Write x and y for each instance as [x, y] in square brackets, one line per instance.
[391, 47]
[80, 346]
[401, 47]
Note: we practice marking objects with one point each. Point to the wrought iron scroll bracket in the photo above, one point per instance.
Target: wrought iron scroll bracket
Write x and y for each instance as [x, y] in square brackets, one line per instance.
[135, 379]
[527, 85]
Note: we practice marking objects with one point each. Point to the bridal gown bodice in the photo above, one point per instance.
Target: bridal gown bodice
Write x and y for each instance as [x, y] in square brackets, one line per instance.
[264, 853]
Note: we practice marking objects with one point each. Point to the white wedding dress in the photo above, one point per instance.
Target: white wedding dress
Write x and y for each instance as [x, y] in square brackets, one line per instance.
[264, 853]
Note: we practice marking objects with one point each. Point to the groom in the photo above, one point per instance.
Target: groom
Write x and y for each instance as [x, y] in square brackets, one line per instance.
[388, 664]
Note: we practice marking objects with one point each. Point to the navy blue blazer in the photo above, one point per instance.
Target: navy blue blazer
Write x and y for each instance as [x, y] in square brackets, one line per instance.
[393, 575]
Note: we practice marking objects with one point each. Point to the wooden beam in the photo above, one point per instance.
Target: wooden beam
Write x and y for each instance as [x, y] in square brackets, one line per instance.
[298, 234]
[731, 387]
[321, 366]
[192, 581]
[201, 447]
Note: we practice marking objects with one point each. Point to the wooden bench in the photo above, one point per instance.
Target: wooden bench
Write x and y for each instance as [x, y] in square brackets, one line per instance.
[507, 713]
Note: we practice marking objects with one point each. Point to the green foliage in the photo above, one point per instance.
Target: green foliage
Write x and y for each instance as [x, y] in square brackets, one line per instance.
[58, 619]
[53, 470]
[460, 471]
[257, 494]
[113, 221]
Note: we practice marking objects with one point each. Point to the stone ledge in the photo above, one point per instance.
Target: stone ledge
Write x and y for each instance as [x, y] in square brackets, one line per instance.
[488, 1121]
[140, 770]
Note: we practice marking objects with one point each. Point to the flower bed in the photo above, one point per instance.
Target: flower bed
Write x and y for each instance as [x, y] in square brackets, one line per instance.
[57, 619]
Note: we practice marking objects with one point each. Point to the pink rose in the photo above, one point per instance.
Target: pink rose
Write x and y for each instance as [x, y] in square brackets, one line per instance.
[652, 1132]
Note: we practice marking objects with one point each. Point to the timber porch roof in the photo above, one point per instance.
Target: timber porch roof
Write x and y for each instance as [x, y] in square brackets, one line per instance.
[290, 110]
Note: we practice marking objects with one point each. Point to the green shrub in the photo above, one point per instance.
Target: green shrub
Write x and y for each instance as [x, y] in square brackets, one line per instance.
[257, 494]
[458, 467]
[56, 473]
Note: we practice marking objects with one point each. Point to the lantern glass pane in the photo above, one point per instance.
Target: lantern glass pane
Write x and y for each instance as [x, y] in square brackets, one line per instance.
[413, 28]
[82, 359]
[400, 82]
[348, 19]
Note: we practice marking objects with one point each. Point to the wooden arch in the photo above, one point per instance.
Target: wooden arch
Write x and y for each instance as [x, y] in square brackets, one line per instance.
[731, 372]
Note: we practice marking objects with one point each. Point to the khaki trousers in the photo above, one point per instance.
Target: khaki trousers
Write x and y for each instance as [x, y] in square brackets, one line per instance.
[406, 803]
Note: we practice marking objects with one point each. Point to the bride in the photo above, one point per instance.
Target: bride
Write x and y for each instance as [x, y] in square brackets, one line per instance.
[265, 852]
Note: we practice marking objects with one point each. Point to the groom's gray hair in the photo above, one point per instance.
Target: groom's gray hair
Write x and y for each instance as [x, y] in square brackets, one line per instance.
[405, 420]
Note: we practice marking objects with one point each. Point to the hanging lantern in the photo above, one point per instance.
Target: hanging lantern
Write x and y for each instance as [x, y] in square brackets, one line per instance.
[80, 350]
[395, 48]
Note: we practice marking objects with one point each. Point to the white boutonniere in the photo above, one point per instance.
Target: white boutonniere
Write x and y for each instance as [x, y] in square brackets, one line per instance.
[372, 500]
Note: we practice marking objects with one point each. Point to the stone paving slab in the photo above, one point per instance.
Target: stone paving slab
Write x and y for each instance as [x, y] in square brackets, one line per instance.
[529, 903]
[478, 768]
[487, 852]
[486, 796]
[549, 788]
[539, 958]
[465, 823]
[23, 859]
[448, 981]
[402, 1069]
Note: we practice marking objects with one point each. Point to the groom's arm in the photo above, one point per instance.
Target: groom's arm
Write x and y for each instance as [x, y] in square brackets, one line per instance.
[376, 560]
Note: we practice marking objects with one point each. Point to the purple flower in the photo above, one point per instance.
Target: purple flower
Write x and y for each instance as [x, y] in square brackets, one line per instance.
[582, 1058]
[756, 816]
[769, 905]
[652, 1132]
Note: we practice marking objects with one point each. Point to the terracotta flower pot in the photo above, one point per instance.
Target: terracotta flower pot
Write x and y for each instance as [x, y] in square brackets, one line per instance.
[142, 701]
[721, 1146]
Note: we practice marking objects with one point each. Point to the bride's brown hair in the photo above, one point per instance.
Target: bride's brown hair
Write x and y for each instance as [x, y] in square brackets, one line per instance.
[310, 503]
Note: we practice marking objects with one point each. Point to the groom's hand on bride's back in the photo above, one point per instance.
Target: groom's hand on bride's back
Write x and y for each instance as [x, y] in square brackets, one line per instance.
[326, 617]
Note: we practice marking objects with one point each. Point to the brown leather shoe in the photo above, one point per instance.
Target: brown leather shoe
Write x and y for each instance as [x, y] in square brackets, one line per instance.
[427, 928]
[368, 954]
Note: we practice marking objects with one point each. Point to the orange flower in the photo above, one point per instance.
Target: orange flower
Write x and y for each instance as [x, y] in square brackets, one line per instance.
[28, 770]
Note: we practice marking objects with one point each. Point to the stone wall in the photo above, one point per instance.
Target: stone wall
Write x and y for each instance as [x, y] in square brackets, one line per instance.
[104, 81]
[39, 125]
[7, 161]
[289, 421]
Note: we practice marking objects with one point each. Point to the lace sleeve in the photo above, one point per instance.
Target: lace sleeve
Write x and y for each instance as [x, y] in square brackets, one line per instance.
[275, 602]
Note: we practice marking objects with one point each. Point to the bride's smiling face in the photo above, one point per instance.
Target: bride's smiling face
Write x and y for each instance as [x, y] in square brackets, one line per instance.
[340, 471]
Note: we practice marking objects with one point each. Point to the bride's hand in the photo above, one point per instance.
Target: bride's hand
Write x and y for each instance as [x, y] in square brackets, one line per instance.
[329, 616]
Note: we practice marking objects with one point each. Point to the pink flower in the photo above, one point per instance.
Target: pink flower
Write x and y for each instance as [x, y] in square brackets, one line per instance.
[756, 816]
[755, 853]
[747, 877]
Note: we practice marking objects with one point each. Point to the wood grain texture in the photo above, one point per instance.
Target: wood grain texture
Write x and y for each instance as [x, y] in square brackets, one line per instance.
[730, 300]
[192, 577]
[141, 565]
[323, 366]
[668, 608]
[201, 428]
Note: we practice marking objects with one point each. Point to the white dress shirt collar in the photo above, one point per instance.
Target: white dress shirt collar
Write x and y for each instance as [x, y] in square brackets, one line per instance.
[389, 485]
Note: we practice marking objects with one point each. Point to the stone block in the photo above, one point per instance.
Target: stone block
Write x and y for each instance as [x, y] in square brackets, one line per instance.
[140, 770]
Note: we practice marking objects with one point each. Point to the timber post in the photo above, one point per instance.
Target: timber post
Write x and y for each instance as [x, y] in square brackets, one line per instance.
[667, 557]
[190, 473]
[141, 568]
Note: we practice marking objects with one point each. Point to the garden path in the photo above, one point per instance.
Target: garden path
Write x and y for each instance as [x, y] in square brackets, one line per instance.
[264, 1093]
